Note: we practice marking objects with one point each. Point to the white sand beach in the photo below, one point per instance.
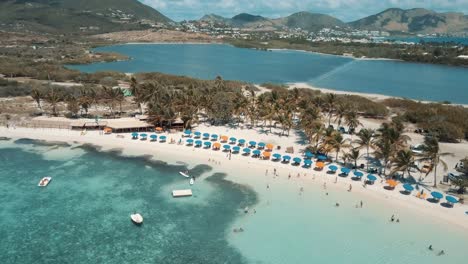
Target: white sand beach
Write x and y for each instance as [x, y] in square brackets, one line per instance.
[250, 171]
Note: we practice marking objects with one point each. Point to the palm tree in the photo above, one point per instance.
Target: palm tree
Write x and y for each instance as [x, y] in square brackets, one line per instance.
[53, 97]
[37, 95]
[354, 154]
[338, 142]
[330, 100]
[340, 113]
[403, 161]
[87, 96]
[137, 93]
[366, 140]
[384, 152]
[352, 120]
[431, 153]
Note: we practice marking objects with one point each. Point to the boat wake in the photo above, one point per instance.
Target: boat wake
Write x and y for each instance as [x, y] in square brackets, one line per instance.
[331, 73]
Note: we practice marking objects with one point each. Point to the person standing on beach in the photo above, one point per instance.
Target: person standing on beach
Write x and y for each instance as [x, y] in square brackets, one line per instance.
[361, 203]
[350, 188]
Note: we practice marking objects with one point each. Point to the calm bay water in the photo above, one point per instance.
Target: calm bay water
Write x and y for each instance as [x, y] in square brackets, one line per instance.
[83, 216]
[394, 78]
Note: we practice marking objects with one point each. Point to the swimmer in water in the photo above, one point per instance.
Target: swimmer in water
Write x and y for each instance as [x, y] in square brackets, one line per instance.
[441, 253]
[430, 247]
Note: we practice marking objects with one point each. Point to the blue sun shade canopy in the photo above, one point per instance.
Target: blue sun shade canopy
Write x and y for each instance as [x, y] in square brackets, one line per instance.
[214, 136]
[408, 187]
[153, 136]
[198, 142]
[233, 139]
[246, 150]
[256, 152]
[134, 134]
[143, 135]
[322, 157]
[206, 135]
[286, 157]
[252, 143]
[236, 148]
[188, 132]
[197, 133]
[307, 162]
[276, 156]
[358, 174]
[227, 147]
[451, 199]
[345, 170]
[297, 160]
[437, 195]
[241, 141]
[207, 143]
[162, 137]
[261, 144]
[371, 177]
[333, 168]
[190, 141]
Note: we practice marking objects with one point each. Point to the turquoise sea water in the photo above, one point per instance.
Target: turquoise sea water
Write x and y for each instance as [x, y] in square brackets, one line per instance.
[394, 78]
[83, 216]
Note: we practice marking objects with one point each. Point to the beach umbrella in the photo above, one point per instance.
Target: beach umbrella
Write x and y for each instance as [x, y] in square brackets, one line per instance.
[286, 158]
[256, 152]
[309, 155]
[153, 137]
[189, 141]
[358, 173]
[134, 134]
[261, 145]
[197, 134]
[207, 144]
[214, 136]
[276, 156]
[297, 160]
[269, 146]
[226, 147]
[437, 195]
[252, 143]
[266, 154]
[451, 199]
[308, 162]
[322, 157]
[408, 187]
[188, 132]
[143, 135]
[392, 183]
[246, 150]
[198, 142]
[162, 138]
[345, 171]
[371, 177]
[216, 145]
[333, 168]
[233, 139]
[224, 138]
[320, 165]
[236, 148]
[206, 135]
[159, 129]
[241, 141]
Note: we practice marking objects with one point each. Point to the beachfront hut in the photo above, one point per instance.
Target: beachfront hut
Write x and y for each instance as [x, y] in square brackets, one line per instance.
[216, 146]
[134, 135]
[261, 145]
[144, 136]
[206, 136]
[252, 144]
[197, 134]
[319, 166]
[153, 137]
[269, 147]
[286, 158]
[241, 142]
[371, 178]
[437, 196]
[358, 174]
[188, 132]
[224, 138]
[235, 149]
[345, 171]
[214, 137]
[266, 155]
[207, 144]
[276, 156]
[451, 200]
[189, 142]
[256, 153]
[162, 139]
[307, 163]
[408, 188]
[246, 151]
[232, 140]
[226, 147]
[198, 143]
[297, 161]
[332, 168]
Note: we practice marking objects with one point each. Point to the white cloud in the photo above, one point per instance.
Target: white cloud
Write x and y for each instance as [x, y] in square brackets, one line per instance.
[343, 9]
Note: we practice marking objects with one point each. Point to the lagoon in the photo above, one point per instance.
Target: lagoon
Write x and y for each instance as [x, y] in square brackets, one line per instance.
[393, 78]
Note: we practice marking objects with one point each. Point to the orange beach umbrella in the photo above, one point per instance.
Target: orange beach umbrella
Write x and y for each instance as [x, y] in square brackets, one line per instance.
[392, 183]
[320, 165]
[266, 154]
[159, 129]
[217, 145]
[269, 146]
[224, 138]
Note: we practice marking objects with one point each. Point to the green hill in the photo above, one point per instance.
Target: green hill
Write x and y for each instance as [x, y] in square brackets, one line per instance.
[312, 21]
[72, 16]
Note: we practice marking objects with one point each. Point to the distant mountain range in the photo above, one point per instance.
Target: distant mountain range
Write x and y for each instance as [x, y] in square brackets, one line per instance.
[71, 16]
[415, 21]
[67, 16]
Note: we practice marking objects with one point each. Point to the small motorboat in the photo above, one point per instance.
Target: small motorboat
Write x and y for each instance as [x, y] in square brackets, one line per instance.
[192, 181]
[137, 219]
[184, 174]
[44, 181]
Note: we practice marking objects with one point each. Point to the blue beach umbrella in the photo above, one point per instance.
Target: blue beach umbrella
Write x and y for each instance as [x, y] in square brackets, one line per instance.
[276, 156]
[286, 158]
[143, 135]
[256, 152]
[236, 149]
[297, 160]
[308, 162]
[252, 143]
[322, 157]
[437, 195]
[358, 174]
[154, 137]
[408, 187]
[233, 140]
[207, 144]
[189, 141]
[188, 132]
[241, 141]
[246, 150]
[451, 199]
[371, 177]
[214, 136]
[261, 145]
[333, 168]
[309, 155]
[206, 135]
[227, 147]
[134, 134]
[345, 171]
[162, 138]
[198, 142]
[197, 134]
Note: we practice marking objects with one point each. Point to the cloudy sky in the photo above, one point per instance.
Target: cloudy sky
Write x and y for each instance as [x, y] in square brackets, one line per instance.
[346, 10]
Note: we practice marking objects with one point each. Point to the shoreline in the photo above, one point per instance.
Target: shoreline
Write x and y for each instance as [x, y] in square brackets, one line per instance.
[253, 168]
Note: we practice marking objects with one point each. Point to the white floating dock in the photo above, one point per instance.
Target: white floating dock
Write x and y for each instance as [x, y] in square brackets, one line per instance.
[181, 193]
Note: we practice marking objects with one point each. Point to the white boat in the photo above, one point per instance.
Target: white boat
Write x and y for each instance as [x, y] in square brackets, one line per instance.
[44, 181]
[136, 218]
[192, 181]
[184, 174]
